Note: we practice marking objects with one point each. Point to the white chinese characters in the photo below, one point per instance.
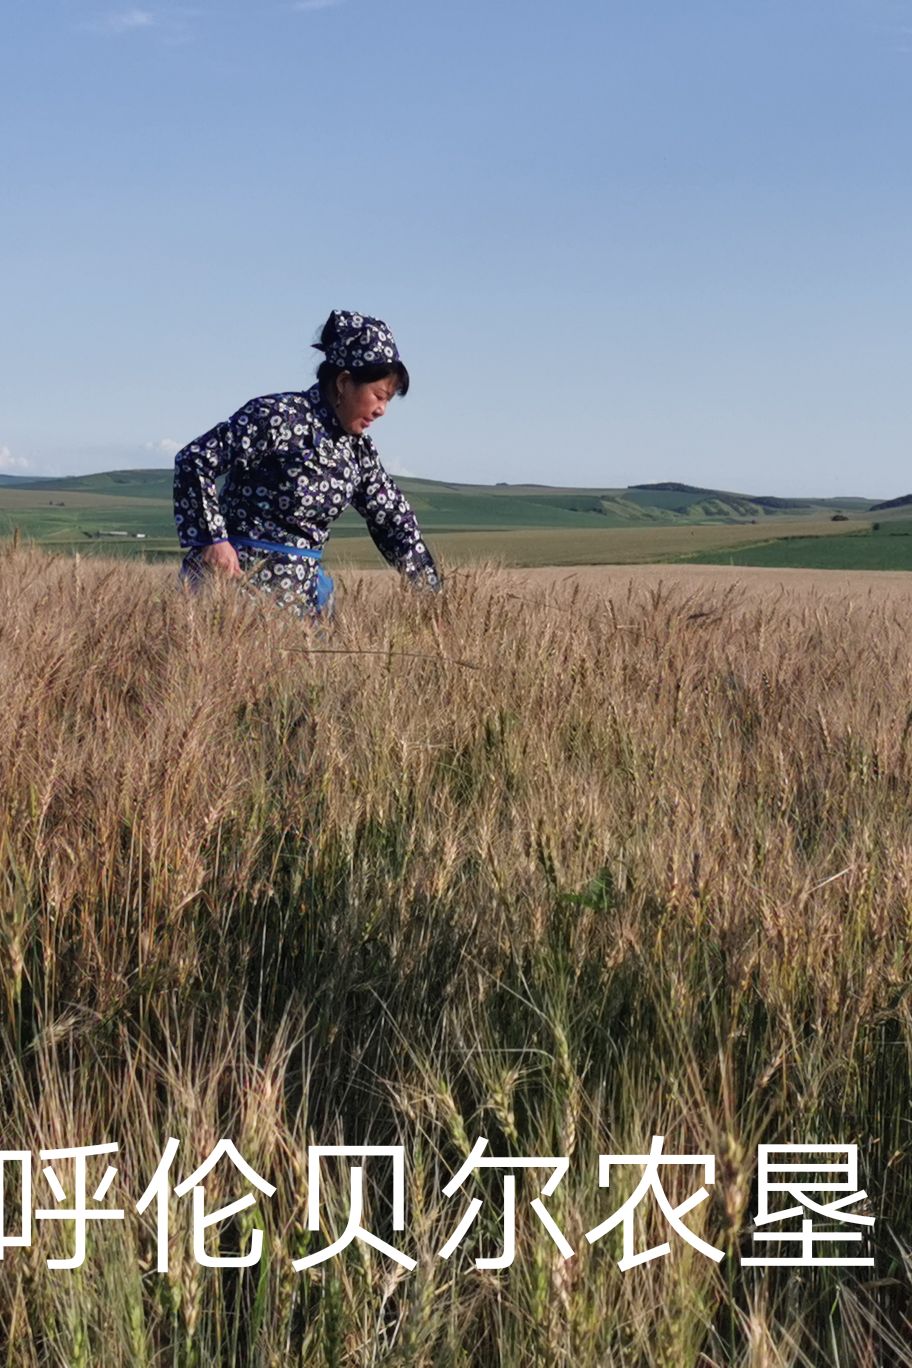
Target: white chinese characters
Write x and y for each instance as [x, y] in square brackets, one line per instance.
[796, 1180]
[478, 1160]
[652, 1182]
[354, 1230]
[807, 1203]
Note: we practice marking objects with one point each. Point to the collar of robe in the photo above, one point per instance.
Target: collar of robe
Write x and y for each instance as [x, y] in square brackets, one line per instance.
[326, 417]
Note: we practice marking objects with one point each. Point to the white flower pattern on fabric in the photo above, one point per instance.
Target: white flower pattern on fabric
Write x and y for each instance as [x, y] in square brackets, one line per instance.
[360, 341]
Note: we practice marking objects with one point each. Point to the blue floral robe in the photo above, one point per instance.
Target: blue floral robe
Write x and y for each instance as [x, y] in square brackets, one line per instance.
[290, 471]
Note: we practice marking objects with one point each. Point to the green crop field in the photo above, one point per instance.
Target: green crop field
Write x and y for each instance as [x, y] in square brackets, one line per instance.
[351, 545]
[889, 548]
[555, 546]
[523, 525]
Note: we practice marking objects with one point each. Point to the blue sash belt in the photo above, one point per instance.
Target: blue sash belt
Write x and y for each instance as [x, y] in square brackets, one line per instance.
[324, 582]
[315, 553]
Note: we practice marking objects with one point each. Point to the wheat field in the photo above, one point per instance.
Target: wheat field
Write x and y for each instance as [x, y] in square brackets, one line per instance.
[562, 861]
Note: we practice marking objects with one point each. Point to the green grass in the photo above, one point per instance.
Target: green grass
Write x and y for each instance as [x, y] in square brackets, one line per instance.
[890, 548]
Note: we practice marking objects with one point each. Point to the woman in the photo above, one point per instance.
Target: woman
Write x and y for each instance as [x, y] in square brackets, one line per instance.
[292, 463]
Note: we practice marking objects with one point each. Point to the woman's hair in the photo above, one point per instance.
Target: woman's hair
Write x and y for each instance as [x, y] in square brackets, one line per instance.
[362, 375]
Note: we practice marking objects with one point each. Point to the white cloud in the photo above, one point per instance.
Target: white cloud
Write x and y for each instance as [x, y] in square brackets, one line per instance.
[165, 446]
[395, 467]
[12, 463]
[172, 25]
[124, 21]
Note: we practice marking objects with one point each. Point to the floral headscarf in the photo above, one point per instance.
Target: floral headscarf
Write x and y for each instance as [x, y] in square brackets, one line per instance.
[360, 341]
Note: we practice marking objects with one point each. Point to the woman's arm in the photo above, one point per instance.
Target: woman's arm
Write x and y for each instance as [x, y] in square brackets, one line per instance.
[196, 503]
[392, 523]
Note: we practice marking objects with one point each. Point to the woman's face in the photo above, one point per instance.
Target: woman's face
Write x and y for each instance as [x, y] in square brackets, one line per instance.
[357, 406]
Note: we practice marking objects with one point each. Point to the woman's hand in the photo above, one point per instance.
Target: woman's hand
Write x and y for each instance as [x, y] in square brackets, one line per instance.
[222, 558]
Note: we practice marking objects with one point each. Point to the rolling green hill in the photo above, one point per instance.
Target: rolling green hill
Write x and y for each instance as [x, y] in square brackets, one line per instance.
[85, 512]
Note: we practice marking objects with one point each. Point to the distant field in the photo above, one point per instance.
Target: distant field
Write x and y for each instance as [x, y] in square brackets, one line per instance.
[890, 548]
[513, 525]
[517, 547]
[58, 516]
[552, 546]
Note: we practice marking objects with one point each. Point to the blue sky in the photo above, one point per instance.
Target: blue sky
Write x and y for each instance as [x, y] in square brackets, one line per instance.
[616, 241]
